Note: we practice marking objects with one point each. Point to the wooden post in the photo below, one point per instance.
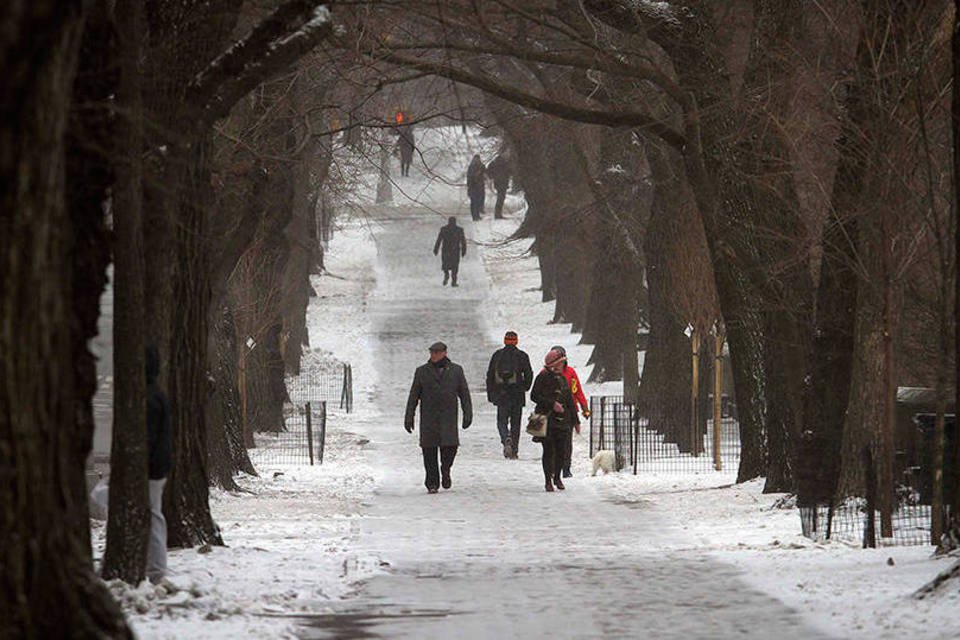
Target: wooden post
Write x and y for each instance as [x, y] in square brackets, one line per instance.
[695, 390]
[309, 434]
[717, 399]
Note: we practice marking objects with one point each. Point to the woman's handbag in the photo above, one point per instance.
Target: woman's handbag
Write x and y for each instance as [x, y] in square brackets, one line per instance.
[537, 425]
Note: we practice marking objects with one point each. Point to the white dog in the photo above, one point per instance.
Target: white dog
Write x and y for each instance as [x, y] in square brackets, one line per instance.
[604, 459]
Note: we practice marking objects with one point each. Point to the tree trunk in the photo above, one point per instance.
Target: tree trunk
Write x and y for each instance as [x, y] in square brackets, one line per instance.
[666, 378]
[186, 498]
[952, 495]
[50, 589]
[128, 523]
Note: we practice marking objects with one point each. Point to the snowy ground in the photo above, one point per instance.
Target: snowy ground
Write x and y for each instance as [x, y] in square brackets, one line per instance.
[357, 547]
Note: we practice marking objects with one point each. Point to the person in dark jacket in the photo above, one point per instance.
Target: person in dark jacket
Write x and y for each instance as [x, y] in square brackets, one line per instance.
[437, 385]
[160, 453]
[406, 144]
[476, 189]
[552, 397]
[499, 172]
[454, 245]
[509, 377]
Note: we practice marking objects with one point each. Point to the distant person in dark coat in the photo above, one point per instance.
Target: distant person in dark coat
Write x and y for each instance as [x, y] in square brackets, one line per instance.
[437, 385]
[407, 147]
[160, 452]
[476, 189]
[499, 172]
[552, 397]
[454, 244]
[509, 376]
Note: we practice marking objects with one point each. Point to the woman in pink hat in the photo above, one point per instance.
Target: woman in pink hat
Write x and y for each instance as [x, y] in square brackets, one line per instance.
[552, 397]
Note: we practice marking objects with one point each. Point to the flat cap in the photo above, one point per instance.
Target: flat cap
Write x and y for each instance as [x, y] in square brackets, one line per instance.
[438, 346]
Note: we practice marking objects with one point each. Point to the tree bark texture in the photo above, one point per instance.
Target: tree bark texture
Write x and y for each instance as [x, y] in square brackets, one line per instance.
[49, 586]
[128, 520]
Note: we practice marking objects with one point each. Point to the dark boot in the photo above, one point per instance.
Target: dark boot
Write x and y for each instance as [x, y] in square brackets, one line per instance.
[446, 277]
[559, 483]
[548, 486]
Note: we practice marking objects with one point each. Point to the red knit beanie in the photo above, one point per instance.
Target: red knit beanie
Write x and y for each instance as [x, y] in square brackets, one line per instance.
[510, 337]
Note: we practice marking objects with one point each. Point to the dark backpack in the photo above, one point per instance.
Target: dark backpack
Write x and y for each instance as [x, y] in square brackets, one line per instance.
[507, 370]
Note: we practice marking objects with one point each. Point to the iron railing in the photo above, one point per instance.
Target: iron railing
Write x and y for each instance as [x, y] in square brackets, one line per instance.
[648, 446]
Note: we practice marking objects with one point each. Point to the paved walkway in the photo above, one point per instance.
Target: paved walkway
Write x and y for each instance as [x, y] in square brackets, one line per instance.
[496, 556]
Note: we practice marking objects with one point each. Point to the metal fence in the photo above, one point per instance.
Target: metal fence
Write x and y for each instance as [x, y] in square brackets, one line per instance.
[647, 447]
[857, 519]
[333, 385]
[301, 443]
[853, 521]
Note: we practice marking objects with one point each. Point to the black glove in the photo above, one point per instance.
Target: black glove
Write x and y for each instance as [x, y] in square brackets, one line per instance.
[467, 423]
[408, 427]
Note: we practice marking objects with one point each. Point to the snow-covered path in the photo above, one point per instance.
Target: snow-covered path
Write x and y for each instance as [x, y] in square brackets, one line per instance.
[496, 556]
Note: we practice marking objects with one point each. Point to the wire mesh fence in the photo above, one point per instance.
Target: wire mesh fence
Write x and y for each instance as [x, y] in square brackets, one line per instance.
[300, 443]
[853, 521]
[332, 384]
[648, 445]
[858, 519]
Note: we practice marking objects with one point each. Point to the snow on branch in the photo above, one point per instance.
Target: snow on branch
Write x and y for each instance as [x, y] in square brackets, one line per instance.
[635, 16]
[290, 32]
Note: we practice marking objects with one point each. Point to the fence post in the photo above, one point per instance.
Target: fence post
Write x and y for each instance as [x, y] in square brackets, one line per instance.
[870, 474]
[603, 414]
[593, 410]
[309, 434]
[717, 399]
[323, 428]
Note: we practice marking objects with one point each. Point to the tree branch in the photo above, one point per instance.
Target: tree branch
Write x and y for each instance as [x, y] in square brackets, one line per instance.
[635, 119]
[281, 39]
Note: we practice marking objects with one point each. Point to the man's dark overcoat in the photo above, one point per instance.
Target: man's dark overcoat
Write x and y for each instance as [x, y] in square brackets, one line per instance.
[437, 387]
[454, 245]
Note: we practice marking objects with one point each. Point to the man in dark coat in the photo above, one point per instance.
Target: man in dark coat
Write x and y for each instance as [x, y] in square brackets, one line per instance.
[476, 189]
[406, 144]
[454, 244]
[509, 376]
[436, 387]
[499, 172]
[160, 452]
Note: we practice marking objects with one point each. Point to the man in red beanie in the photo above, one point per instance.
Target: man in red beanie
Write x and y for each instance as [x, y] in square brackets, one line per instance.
[509, 376]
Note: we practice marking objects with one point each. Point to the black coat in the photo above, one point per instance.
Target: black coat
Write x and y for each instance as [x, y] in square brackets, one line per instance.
[454, 244]
[509, 394]
[436, 387]
[159, 441]
[499, 172]
[476, 174]
[552, 387]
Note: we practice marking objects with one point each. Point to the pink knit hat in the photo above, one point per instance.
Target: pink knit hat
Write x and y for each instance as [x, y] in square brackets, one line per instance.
[553, 356]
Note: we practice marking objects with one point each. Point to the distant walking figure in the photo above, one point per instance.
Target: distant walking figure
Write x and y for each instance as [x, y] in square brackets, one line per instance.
[476, 189]
[454, 245]
[160, 453]
[407, 147]
[552, 397]
[437, 385]
[499, 172]
[509, 376]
